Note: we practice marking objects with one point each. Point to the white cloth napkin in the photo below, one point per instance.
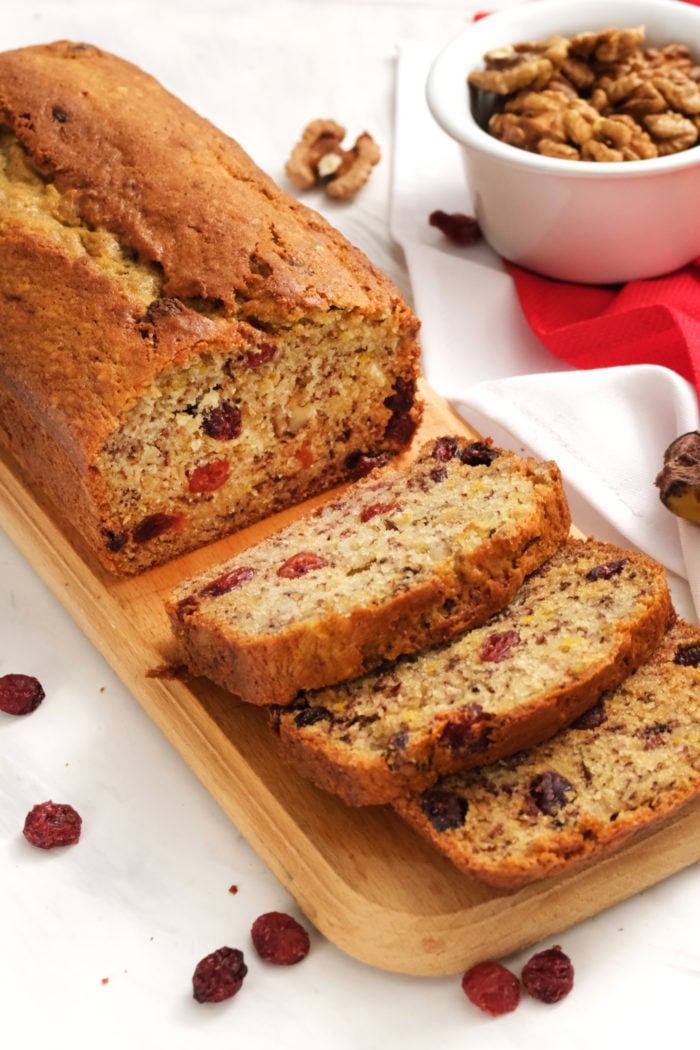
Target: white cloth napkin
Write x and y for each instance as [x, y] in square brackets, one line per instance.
[607, 428]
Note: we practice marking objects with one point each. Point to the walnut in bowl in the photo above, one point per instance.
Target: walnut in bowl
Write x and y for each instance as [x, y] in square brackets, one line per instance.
[579, 126]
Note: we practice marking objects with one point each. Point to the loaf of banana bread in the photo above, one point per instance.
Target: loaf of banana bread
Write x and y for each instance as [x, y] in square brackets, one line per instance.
[406, 557]
[577, 626]
[185, 348]
[629, 762]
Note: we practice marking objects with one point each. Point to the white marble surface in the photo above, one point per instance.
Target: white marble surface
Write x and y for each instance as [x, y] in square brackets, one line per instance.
[99, 941]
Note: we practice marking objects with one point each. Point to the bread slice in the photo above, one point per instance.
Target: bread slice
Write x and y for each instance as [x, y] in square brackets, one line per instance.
[629, 762]
[576, 627]
[408, 556]
[186, 349]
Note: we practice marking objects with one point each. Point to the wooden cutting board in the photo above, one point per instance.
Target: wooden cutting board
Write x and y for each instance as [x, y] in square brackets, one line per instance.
[362, 877]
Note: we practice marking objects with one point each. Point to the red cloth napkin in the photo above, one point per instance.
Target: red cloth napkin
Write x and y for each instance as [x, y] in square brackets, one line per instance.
[642, 322]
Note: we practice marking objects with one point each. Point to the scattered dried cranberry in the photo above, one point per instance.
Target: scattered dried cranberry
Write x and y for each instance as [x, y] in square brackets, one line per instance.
[458, 228]
[301, 563]
[608, 569]
[219, 975]
[223, 422]
[226, 582]
[51, 824]
[444, 810]
[549, 790]
[20, 694]
[154, 525]
[688, 656]
[374, 509]
[492, 987]
[209, 477]
[548, 975]
[498, 646]
[280, 939]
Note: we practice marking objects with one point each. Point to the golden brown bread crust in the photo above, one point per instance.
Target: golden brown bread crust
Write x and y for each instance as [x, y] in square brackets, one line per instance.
[398, 729]
[244, 241]
[630, 764]
[444, 545]
[235, 261]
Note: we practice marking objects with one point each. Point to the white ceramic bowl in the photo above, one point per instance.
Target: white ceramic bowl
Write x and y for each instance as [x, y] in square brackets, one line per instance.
[573, 220]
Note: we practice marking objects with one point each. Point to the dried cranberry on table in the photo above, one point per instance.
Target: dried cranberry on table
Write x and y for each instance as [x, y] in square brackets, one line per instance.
[219, 975]
[492, 987]
[51, 824]
[458, 228]
[20, 694]
[280, 939]
[548, 975]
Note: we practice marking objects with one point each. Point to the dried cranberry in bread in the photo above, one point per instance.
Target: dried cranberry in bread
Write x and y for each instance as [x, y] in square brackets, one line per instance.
[405, 557]
[185, 348]
[628, 763]
[577, 626]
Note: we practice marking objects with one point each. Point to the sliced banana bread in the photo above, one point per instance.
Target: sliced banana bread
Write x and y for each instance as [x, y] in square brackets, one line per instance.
[577, 626]
[406, 557]
[630, 761]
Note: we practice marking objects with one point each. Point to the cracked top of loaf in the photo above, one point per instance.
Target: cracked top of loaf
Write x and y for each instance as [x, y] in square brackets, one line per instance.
[139, 162]
[133, 224]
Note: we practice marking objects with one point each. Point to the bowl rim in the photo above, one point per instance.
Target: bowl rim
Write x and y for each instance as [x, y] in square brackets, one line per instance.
[448, 98]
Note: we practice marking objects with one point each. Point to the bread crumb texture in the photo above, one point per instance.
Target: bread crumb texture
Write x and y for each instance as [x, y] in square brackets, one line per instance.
[576, 627]
[617, 771]
[408, 555]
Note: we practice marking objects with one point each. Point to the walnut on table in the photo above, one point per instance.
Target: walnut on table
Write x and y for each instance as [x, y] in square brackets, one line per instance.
[318, 158]
[598, 96]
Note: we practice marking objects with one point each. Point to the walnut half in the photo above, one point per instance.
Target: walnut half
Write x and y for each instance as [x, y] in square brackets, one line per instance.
[318, 158]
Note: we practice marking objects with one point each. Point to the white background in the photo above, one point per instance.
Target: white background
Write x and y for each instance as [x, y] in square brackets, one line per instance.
[98, 942]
